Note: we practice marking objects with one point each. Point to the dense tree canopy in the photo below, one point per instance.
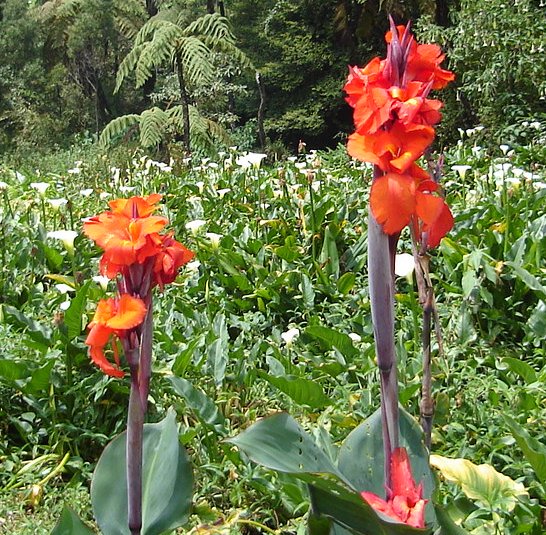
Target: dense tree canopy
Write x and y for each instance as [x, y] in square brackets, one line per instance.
[60, 59]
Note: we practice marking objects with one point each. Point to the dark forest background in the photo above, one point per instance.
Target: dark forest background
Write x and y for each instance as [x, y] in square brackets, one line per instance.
[187, 71]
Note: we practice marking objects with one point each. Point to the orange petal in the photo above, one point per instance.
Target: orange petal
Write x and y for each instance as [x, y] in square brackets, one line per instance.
[130, 312]
[99, 358]
[392, 201]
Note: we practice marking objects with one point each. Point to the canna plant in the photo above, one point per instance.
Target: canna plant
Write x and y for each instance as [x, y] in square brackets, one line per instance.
[131, 492]
[394, 126]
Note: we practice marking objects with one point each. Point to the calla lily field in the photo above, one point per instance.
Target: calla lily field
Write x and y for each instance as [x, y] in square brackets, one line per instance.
[343, 341]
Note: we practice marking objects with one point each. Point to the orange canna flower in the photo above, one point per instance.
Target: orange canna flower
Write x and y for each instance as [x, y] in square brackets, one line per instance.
[113, 319]
[404, 501]
[135, 206]
[392, 150]
[397, 199]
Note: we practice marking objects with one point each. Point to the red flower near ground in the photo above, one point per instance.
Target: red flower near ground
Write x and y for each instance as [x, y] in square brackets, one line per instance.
[113, 319]
[404, 501]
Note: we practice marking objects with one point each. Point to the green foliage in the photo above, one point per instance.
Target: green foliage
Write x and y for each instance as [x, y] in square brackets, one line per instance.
[166, 482]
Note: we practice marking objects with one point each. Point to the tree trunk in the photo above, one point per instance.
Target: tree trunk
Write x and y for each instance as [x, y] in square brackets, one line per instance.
[261, 111]
[210, 6]
[151, 7]
[222, 8]
[184, 101]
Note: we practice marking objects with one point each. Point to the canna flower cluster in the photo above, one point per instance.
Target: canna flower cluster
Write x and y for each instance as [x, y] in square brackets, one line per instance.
[394, 125]
[139, 258]
[404, 501]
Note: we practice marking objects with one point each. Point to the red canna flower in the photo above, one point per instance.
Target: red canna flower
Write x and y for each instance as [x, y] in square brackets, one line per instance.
[113, 319]
[404, 501]
[169, 259]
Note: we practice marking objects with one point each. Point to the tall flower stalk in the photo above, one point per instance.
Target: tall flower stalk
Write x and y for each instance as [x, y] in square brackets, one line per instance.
[138, 257]
[394, 119]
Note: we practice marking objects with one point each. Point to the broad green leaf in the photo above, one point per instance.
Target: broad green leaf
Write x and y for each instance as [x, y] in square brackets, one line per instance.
[329, 257]
[279, 443]
[289, 251]
[303, 391]
[40, 379]
[12, 370]
[203, 407]
[37, 331]
[537, 320]
[534, 451]
[469, 282]
[332, 338]
[527, 278]
[166, 482]
[74, 313]
[448, 527]
[307, 292]
[523, 369]
[184, 357]
[70, 524]
[481, 482]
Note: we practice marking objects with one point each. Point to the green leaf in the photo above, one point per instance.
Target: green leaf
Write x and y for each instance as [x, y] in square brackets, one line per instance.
[166, 482]
[74, 313]
[307, 292]
[37, 331]
[203, 407]
[534, 451]
[481, 482]
[70, 524]
[469, 282]
[332, 338]
[329, 257]
[184, 357]
[524, 370]
[346, 283]
[279, 443]
[40, 380]
[302, 391]
[527, 278]
[448, 527]
[537, 320]
[11, 370]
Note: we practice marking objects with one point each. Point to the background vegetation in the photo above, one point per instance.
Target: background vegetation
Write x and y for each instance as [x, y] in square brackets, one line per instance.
[275, 312]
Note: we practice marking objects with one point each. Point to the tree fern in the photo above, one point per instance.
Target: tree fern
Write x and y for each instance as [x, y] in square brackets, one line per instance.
[196, 60]
[153, 123]
[212, 25]
[118, 126]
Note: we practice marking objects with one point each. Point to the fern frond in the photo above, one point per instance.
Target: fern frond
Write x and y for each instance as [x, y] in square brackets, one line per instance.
[206, 133]
[152, 126]
[213, 26]
[233, 52]
[128, 64]
[116, 127]
[130, 16]
[196, 60]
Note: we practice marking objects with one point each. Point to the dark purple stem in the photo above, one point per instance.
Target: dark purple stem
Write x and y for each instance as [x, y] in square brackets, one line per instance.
[135, 428]
[146, 352]
[380, 277]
